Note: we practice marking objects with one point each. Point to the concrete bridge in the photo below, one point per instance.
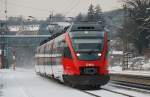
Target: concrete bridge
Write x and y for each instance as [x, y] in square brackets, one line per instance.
[24, 47]
[22, 40]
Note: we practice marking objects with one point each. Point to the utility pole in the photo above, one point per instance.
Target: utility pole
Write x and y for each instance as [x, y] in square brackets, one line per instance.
[5, 38]
[50, 21]
[2, 44]
[125, 44]
[51, 17]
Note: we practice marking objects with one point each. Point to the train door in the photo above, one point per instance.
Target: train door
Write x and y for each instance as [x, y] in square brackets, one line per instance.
[37, 61]
[57, 59]
[48, 68]
[42, 59]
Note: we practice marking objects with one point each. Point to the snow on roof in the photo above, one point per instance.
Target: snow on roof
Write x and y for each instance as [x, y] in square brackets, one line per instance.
[117, 52]
[24, 27]
[63, 24]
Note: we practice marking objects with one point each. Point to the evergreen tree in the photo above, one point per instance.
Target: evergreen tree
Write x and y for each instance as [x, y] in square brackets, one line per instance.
[98, 13]
[99, 16]
[58, 17]
[91, 13]
[79, 17]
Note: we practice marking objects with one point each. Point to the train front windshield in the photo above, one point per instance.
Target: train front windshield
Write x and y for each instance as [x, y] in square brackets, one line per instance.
[88, 44]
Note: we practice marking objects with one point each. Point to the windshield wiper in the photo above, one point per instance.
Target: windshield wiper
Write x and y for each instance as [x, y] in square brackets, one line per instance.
[92, 51]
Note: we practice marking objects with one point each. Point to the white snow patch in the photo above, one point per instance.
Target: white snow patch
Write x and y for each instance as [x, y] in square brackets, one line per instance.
[146, 65]
[117, 52]
[115, 68]
[25, 83]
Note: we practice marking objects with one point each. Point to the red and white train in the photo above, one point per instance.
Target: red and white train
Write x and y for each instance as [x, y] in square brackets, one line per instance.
[78, 56]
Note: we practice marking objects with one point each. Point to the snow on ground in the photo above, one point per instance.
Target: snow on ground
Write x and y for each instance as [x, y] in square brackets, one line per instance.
[25, 83]
[118, 70]
[115, 68]
[0, 79]
[146, 65]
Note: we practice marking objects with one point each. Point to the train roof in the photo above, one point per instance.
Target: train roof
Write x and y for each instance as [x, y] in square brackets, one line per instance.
[77, 26]
[54, 35]
[87, 26]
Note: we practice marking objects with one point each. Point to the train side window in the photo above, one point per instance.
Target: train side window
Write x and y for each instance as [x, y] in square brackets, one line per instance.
[40, 58]
[37, 58]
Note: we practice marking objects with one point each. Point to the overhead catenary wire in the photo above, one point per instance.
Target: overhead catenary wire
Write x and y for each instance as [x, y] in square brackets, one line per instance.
[39, 10]
[67, 10]
[26, 6]
[2, 8]
[68, 6]
[11, 4]
[73, 7]
[29, 7]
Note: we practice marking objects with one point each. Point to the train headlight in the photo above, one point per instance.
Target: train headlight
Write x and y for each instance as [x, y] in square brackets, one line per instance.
[99, 54]
[78, 54]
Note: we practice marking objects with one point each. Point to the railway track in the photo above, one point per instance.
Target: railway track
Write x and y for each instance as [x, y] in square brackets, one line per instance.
[131, 86]
[99, 93]
[140, 88]
[136, 79]
[139, 83]
[91, 94]
[124, 94]
[92, 91]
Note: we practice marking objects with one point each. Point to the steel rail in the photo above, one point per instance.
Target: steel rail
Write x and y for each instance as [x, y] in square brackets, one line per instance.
[117, 92]
[132, 85]
[95, 95]
[92, 94]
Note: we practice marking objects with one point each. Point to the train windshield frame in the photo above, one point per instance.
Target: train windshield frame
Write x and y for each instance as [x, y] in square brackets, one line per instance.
[87, 43]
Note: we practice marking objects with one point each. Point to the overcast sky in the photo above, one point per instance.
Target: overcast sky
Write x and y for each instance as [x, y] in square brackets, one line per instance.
[42, 8]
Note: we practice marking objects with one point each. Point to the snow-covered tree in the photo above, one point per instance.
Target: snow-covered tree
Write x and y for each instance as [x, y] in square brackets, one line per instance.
[137, 10]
